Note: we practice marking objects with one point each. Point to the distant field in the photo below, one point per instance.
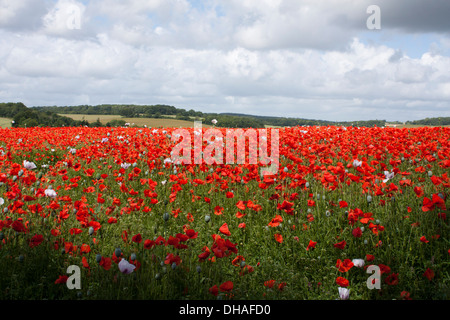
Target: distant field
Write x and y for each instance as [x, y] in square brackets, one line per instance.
[5, 122]
[149, 122]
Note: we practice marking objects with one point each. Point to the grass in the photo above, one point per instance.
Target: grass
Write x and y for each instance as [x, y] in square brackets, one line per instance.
[5, 122]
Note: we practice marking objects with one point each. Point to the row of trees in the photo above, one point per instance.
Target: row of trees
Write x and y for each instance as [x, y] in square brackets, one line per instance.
[129, 111]
[441, 121]
[49, 116]
[230, 120]
[292, 122]
[22, 116]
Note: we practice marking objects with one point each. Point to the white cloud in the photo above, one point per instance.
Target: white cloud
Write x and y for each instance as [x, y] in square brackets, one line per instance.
[21, 14]
[65, 17]
[285, 57]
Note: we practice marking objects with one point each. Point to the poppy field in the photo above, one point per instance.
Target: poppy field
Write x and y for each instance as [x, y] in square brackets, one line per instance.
[110, 203]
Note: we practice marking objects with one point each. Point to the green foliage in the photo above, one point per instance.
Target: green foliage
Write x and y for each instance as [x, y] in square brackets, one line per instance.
[33, 117]
[230, 120]
[441, 121]
[115, 123]
[10, 109]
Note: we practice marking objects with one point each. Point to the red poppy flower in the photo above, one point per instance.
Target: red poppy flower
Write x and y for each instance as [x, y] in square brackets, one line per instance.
[429, 274]
[205, 254]
[423, 239]
[191, 233]
[218, 210]
[226, 286]
[405, 295]
[236, 261]
[112, 220]
[384, 268]
[342, 282]
[278, 237]
[224, 229]
[18, 226]
[240, 205]
[357, 232]
[106, 263]
[35, 240]
[230, 195]
[340, 245]
[137, 238]
[343, 204]
[269, 283]
[85, 248]
[275, 222]
[171, 258]
[311, 245]
[214, 290]
[344, 266]
[392, 279]
[61, 279]
[148, 244]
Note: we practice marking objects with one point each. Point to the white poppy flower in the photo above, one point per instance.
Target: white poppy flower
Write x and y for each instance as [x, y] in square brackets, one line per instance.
[125, 165]
[344, 293]
[388, 175]
[126, 267]
[29, 165]
[357, 163]
[50, 193]
[358, 263]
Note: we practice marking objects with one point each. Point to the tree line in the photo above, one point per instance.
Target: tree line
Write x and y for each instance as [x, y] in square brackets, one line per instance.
[22, 116]
[440, 121]
[50, 116]
[229, 120]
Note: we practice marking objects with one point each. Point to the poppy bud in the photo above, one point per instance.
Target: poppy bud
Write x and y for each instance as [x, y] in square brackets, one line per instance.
[117, 252]
[198, 269]
[91, 230]
[133, 256]
[166, 216]
[98, 257]
[369, 199]
[207, 218]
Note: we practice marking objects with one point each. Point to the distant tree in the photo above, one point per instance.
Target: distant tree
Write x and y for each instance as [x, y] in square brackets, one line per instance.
[115, 123]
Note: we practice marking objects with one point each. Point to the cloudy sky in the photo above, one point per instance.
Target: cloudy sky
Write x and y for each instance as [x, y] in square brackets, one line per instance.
[295, 58]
